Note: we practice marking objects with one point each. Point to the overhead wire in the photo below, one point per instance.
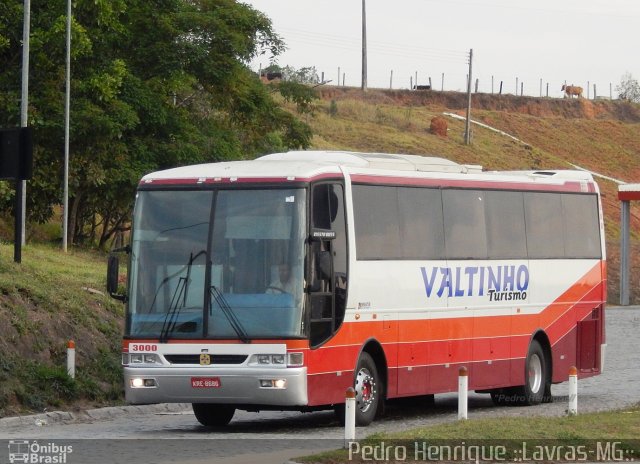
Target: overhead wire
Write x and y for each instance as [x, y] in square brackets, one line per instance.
[351, 43]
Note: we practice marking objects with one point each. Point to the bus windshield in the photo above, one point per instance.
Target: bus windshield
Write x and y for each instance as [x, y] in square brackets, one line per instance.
[217, 264]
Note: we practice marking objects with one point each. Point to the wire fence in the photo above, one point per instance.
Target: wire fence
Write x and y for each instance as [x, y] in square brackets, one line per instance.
[453, 64]
[489, 85]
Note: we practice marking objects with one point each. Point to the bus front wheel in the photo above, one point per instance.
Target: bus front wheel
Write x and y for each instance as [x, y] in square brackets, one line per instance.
[213, 415]
[369, 388]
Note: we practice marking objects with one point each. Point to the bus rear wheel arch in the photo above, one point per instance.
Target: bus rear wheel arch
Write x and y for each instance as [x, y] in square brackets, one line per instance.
[536, 378]
[213, 415]
[536, 375]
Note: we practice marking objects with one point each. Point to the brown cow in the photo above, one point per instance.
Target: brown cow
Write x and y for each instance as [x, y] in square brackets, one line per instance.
[571, 90]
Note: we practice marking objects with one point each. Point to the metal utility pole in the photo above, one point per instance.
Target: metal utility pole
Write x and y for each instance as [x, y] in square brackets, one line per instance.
[391, 80]
[67, 110]
[364, 46]
[21, 185]
[541, 87]
[624, 252]
[467, 126]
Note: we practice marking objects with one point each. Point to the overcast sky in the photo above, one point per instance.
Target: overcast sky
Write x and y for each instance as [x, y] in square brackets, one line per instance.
[577, 41]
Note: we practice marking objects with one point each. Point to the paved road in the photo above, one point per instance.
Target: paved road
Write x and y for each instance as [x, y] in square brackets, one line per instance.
[274, 437]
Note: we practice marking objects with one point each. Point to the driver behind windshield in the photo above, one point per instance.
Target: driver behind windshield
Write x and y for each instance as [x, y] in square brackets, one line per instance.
[283, 283]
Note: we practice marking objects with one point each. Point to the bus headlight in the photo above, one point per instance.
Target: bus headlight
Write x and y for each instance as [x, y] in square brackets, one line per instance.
[290, 359]
[138, 382]
[295, 359]
[140, 358]
[279, 384]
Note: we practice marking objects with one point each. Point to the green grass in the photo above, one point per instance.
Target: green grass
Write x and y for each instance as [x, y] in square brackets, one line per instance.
[582, 430]
[44, 302]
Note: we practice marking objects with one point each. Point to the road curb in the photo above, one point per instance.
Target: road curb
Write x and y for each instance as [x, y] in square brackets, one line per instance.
[109, 412]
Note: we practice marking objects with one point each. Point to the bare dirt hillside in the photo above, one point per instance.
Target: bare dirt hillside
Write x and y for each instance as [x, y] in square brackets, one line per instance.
[602, 136]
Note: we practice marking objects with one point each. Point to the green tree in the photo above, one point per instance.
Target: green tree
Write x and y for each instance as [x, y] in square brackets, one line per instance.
[154, 85]
[629, 88]
[306, 75]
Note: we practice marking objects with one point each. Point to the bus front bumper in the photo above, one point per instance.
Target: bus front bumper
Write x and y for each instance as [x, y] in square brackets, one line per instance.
[148, 385]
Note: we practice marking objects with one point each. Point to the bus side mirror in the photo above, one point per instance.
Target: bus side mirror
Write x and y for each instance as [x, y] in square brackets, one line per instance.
[113, 268]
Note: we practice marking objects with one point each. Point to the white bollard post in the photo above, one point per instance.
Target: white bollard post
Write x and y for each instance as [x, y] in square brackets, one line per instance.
[463, 393]
[573, 391]
[71, 359]
[349, 417]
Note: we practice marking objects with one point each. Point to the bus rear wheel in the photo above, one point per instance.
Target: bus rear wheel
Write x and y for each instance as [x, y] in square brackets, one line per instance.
[369, 388]
[213, 415]
[536, 376]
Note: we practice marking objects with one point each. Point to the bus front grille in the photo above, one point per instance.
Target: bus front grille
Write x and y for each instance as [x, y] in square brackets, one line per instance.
[215, 358]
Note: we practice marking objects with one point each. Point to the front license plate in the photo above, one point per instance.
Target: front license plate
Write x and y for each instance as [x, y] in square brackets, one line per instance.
[205, 382]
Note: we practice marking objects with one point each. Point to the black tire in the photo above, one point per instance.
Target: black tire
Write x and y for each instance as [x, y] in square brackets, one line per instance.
[213, 415]
[536, 377]
[369, 390]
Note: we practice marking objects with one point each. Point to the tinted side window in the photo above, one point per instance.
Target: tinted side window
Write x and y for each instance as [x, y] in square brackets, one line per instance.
[543, 219]
[464, 224]
[377, 222]
[421, 226]
[506, 236]
[581, 226]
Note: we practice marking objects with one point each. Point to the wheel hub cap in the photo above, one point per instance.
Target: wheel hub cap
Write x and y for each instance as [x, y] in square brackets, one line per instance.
[365, 390]
[535, 373]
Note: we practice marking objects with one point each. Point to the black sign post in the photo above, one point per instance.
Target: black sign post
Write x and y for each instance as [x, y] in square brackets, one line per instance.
[16, 163]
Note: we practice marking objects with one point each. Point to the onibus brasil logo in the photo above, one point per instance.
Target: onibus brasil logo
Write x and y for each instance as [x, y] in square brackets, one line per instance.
[33, 452]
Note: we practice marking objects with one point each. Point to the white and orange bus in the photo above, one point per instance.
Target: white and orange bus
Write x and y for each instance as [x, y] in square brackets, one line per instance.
[278, 283]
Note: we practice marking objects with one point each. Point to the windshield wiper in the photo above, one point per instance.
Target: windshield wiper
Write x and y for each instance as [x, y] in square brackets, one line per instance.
[229, 314]
[169, 323]
[180, 293]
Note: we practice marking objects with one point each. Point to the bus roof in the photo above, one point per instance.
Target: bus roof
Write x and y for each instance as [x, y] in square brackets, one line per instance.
[304, 165]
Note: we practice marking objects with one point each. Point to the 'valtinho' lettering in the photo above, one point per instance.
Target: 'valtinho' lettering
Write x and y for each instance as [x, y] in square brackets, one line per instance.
[499, 283]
